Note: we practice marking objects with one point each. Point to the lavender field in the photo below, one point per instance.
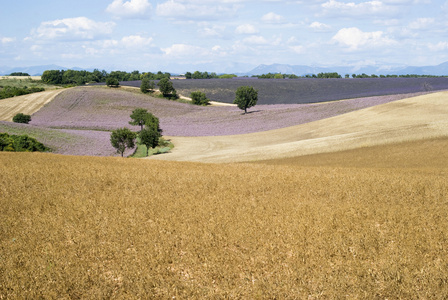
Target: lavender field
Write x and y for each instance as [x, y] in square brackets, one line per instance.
[79, 120]
[306, 90]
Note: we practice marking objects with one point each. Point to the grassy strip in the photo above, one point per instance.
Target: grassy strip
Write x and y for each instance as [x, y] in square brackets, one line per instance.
[164, 147]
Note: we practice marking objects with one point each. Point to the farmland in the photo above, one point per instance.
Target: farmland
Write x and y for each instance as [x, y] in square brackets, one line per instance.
[307, 90]
[368, 220]
[86, 227]
[87, 114]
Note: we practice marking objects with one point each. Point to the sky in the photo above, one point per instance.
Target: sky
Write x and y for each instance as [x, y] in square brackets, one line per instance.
[222, 35]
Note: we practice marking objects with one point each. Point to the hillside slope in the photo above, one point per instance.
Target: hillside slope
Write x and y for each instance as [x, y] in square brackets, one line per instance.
[26, 104]
[417, 118]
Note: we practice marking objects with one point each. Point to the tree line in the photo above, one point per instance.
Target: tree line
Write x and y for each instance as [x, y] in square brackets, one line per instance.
[337, 75]
[74, 77]
[12, 91]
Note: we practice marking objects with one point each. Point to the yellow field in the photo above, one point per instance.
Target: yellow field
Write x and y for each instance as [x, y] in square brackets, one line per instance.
[26, 104]
[412, 119]
[86, 227]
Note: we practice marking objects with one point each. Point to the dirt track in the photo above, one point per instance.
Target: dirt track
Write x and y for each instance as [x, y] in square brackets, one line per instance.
[27, 104]
[410, 119]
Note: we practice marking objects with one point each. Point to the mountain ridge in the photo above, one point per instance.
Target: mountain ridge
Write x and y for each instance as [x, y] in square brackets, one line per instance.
[299, 70]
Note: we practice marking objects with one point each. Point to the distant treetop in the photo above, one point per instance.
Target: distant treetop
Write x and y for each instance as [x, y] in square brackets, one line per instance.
[19, 74]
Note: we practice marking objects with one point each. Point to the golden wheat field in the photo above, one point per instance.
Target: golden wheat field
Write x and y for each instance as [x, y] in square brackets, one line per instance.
[94, 228]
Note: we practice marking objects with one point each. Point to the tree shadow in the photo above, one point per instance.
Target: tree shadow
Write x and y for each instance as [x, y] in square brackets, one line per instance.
[251, 112]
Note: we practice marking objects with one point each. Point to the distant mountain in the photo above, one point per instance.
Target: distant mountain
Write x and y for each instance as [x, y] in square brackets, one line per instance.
[36, 70]
[300, 70]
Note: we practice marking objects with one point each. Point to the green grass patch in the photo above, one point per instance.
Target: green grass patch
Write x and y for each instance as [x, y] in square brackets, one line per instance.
[164, 147]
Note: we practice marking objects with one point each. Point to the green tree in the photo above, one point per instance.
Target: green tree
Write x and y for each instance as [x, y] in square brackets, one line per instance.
[139, 116]
[21, 118]
[149, 137]
[6, 142]
[121, 139]
[199, 98]
[112, 82]
[245, 97]
[144, 86]
[52, 76]
[166, 87]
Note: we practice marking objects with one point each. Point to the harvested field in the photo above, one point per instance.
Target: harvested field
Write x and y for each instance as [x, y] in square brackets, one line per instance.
[86, 227]
[367, 222]
[26, 104]
[410, 119]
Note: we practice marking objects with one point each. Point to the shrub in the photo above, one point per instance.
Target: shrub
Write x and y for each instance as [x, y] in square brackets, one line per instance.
[21, 118]
[112, 82]
[20, 143]
[199, 98]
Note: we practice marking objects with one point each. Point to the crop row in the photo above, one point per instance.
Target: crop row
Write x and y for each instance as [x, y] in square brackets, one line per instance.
[306, 90]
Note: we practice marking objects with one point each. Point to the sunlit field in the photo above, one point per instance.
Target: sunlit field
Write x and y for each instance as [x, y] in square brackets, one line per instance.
[91, 227]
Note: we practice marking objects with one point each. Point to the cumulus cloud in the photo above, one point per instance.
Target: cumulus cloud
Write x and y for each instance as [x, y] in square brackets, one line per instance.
[184, 50]
[80, 28]
[246, 29]
[191, 10]
[7, 40]
[319, 27]
[211, 31]
[336, 8]
[130, 9]
[136, 41]
[273, 18]
[355, 39]
[255, 40]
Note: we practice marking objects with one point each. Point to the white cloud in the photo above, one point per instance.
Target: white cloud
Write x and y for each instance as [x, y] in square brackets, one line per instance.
[7, 40]
[255, 40]
[184, 50]
[130, 9]
[213, 31]
[298, 49]
[190, 10]
[273, 18]
[80, 28]
[356, 39]
[246, 29]
[441, 46]
[135, 41]
[421, 23]
[320, 27]
[336, 8]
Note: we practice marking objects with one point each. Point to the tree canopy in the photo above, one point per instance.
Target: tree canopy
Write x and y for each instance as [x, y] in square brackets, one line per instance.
[21, 118]
[166, 87]
[20, 143]
[121, 139]
[149, 137]
[146, 85]
[112, 82]
[199, 98]
[245, 97]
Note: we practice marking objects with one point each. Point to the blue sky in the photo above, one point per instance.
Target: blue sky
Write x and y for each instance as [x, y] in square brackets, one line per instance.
[222, 35]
